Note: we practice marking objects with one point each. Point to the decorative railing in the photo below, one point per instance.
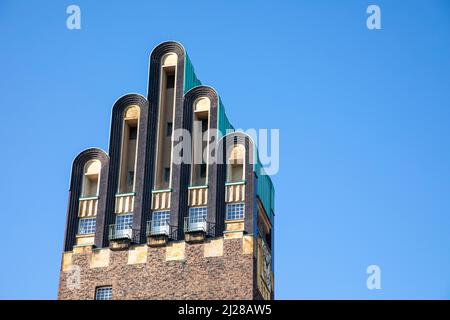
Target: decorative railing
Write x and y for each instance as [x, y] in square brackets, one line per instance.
[124, 203]
[87, 207]
[198, 196]
[161, 228]
[161, 199]
[235, 191]
[199, 224]
[123, 231]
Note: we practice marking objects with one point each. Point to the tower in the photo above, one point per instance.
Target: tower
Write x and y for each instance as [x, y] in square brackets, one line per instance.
[179, 207]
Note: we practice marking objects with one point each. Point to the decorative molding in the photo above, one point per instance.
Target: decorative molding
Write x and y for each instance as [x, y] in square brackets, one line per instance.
[75, 188]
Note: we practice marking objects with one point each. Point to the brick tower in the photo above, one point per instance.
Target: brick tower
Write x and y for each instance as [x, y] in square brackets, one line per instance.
[179, 207]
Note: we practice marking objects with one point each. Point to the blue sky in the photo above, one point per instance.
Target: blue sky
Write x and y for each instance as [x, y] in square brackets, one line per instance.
[364, 119]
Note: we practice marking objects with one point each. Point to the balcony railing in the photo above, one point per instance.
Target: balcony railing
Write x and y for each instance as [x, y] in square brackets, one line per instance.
[122, 231]
[198, 224]
[125, 231]
[161, 228]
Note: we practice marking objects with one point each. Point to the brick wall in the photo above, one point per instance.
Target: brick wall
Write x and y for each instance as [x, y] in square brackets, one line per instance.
[218, 269]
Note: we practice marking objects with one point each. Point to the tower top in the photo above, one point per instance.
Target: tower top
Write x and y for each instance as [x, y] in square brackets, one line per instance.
[178, 187]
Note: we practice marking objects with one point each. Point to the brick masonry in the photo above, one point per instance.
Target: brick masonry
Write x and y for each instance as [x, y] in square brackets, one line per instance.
[223, 268]
[199, 274]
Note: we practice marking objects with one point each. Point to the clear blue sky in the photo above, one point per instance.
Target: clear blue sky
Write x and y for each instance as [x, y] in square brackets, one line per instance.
[364, 119]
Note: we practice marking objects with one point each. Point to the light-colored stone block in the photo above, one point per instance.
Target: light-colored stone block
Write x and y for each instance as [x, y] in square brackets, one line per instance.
[233, 234]
[66, 261]
[84, 249]
[100, 258]
[194, 237]
[82, 241]
[157, 241]
[247, 245]
[213, 248]
[122, 244]
[137, 254]
[236, 225]
[176, 251]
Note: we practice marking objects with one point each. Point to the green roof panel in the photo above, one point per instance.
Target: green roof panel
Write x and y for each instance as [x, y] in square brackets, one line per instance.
[190, 78]
[266, 191]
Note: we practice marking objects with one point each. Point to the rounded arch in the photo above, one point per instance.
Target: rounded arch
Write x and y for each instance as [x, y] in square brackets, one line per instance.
[83, 159]
[227, 141]
[244, 146]
[165, 48]
[198, 92]
[81, 163]
[142, 134]
[136, 107]
[132, 112]
[92, 167]
[91, 178]
[169, 59]
[235, 159]
[157, 172]
[200, 104]
[158, 57]
[127, 101]
[192, 97]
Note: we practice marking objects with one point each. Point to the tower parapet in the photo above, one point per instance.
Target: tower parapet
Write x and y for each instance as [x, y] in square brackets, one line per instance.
[143, 224]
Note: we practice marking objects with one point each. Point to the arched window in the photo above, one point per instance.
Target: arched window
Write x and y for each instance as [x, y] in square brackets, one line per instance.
[165, 121]
[130, 131]
[200, 125]
[236, 163]
[88, 203]
[91, 177]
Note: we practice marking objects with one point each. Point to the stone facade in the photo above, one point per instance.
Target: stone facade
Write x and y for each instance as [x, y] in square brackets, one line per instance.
[216, 269]
[196, 250]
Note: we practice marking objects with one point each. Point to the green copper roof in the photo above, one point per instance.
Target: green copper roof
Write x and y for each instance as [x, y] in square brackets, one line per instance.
[190, 78]
[223, 124]
[265, 189]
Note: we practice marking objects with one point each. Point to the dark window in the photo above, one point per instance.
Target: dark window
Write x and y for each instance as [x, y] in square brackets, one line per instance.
[166, 174]
[133, 133]
[269, 240]
[203, 170]
[204, 125]
[169, 129]
[170, 81]
[130, 178]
